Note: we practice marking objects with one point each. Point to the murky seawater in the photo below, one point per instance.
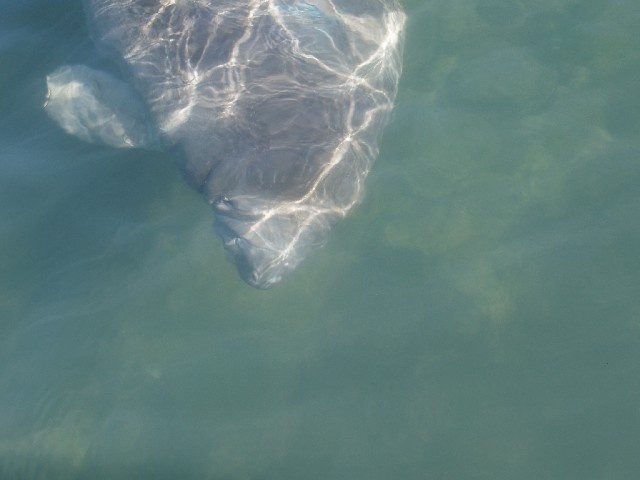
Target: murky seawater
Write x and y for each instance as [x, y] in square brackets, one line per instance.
[477, 317]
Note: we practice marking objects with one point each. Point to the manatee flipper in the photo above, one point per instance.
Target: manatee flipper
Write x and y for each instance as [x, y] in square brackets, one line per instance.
[98, 108]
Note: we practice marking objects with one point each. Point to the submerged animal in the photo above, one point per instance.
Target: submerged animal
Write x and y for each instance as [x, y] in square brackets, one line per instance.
[272, 108]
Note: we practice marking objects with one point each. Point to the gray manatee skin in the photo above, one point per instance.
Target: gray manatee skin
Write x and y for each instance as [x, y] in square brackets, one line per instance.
[273, 108]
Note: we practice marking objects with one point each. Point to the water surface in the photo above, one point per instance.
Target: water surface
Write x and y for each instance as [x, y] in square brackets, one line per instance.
[477, 317]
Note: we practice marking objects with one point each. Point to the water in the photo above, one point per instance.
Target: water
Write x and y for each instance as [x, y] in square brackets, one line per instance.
[477, 317]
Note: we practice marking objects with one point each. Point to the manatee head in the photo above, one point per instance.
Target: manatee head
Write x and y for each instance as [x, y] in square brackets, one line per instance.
[268, 241]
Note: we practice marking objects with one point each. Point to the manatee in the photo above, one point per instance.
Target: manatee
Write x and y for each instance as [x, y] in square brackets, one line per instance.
[273, 109]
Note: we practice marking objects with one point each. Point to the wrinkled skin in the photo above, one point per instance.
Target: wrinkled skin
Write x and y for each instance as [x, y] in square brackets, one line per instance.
[273, 109]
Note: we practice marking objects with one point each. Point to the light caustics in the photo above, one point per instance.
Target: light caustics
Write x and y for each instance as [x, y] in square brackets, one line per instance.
[275, 106]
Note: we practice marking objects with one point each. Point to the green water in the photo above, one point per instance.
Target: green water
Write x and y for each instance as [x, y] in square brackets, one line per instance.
[477, 317]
